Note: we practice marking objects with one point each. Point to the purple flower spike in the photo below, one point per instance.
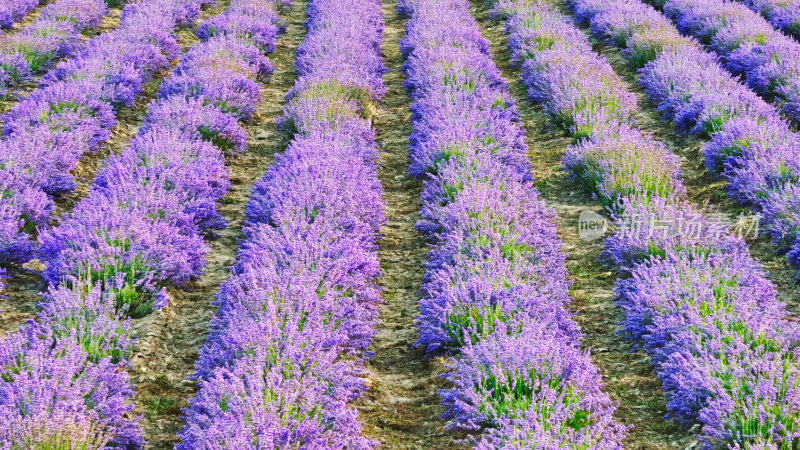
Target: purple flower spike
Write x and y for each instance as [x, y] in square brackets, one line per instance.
[252, 20]
[749, 144]
[71, 113]
[696, 301]
[285, 351]
[222, 71]
[12, 11]
[50, 393]
[54, 34]
[505, 372]
[200, 120]
[495, 261]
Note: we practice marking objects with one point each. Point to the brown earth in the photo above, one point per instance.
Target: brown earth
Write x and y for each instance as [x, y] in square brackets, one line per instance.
[402, 408]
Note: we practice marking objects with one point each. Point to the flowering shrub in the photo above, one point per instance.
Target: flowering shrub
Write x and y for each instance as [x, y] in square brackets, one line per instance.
[72, 112]
[64, 380]
[495, 285]
[54, 34]
[747, 44]
[748, 143]
[696, 301]
[285, 351]
[12, 11]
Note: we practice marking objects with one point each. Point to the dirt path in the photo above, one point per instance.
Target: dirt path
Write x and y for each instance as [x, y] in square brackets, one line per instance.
[19, 300]
[627, 374]
[402, 408]
[169, 340]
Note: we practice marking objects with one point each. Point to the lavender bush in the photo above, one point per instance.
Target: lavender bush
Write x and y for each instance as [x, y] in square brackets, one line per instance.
[72, 113]
[495, 264]
[201, 120]
[12, 11]
[562, 407]
[748, 143]
[284, 354]
[696, 301]
[250, 19]
[139, 229]
[54, 34]
[54, 394]
[747, 45]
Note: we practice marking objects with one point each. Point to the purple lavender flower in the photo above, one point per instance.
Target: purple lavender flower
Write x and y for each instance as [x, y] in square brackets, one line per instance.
[39, 160]
[88, 315]
[82, 14]
[495, 260]
[578, 88]
[255, 21]
[39, 44]
[288, 408]
[696, 301]
[749, 144]
[625, 163]
[284, 353]
[12, 11]
[120, 74]
[71, 111]
[497, 256]
[747, 44]
[132, 242]
[318, 163]
[191, 170]
[719, 343]
[26, 168]
[51, 395]
[200, 120]
[223, 71]
[54, 34]
[525, 386]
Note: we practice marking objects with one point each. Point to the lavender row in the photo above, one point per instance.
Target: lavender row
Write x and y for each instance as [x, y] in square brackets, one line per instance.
[56, 33]
[747, 44]
[12, 11]
[495, 286]
[749, 145]
[782, 14]
[141, 226]
[64, 379]
[696, 301]
[72, 113]
[285, 352]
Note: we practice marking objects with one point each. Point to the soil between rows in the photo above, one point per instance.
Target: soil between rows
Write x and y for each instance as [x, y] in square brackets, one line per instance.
[402, 408]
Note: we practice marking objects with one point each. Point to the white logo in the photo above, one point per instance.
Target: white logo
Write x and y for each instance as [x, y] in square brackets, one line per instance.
[591, 226]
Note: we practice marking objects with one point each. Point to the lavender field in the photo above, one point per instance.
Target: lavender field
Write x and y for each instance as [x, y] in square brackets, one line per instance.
[411, 224]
